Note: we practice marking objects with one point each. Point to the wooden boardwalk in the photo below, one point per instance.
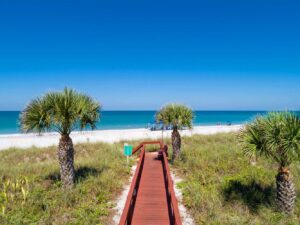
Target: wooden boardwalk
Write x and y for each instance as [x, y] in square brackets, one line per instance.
[151, 199]
[151, 205]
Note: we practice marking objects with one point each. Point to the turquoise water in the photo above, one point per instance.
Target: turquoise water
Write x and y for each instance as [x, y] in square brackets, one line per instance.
[138, 119]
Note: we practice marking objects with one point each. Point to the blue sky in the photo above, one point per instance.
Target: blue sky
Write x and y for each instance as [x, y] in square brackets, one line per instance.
[211, 55]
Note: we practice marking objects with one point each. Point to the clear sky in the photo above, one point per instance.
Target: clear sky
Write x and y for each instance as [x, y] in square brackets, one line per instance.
[211, 55]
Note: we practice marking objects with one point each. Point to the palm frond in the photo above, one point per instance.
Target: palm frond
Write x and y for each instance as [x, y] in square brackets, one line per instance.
[276, 135]
[61, 111]
[35, 116]
[176, 115]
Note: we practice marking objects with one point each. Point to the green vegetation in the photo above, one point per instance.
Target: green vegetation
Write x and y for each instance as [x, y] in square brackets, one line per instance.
[220, 186]
[101, 172]
[61, 112]
[276, 136]
[177, 116]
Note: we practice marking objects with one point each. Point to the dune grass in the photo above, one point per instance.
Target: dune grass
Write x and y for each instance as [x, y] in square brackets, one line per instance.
[101, 171]
[221, 187]
[219, 184]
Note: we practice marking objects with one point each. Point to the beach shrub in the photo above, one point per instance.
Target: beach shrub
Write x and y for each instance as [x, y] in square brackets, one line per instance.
[13, 192]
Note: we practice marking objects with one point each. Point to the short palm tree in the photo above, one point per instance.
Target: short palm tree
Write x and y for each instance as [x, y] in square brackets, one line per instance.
[276, 136]
[177, 116]
[61, 112]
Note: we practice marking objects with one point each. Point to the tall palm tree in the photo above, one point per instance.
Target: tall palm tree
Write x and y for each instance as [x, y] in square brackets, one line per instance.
[276, 136]
[177, 116]
[61, 112]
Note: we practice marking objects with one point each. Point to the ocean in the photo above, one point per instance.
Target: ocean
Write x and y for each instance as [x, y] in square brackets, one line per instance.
[9, 120]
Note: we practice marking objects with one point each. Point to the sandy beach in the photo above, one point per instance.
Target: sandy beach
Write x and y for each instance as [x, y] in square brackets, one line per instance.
[108, 136]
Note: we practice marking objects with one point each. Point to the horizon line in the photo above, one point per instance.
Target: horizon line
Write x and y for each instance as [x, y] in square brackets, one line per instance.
[201, 110]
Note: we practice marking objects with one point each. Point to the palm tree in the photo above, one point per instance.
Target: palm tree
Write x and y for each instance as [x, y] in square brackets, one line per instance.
[177, 116]
[61, 112]
[276, 136]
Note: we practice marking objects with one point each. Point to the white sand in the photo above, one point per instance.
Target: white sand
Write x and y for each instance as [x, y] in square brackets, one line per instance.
[121, 200]
[186, 218]
[109, 136]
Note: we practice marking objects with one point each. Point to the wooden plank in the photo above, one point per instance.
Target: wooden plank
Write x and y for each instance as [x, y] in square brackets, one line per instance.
[151, 205]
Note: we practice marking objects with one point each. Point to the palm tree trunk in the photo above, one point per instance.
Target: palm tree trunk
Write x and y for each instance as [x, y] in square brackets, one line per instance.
[66, 160]
[286, 194]
[176, 142]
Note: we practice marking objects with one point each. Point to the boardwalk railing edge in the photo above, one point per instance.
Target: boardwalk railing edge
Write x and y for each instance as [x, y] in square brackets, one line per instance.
[128, 209]
[175, 215]
[131, 198]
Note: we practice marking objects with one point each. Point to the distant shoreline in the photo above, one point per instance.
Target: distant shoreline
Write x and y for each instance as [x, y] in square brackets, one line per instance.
[117, 120]
[108, 136]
